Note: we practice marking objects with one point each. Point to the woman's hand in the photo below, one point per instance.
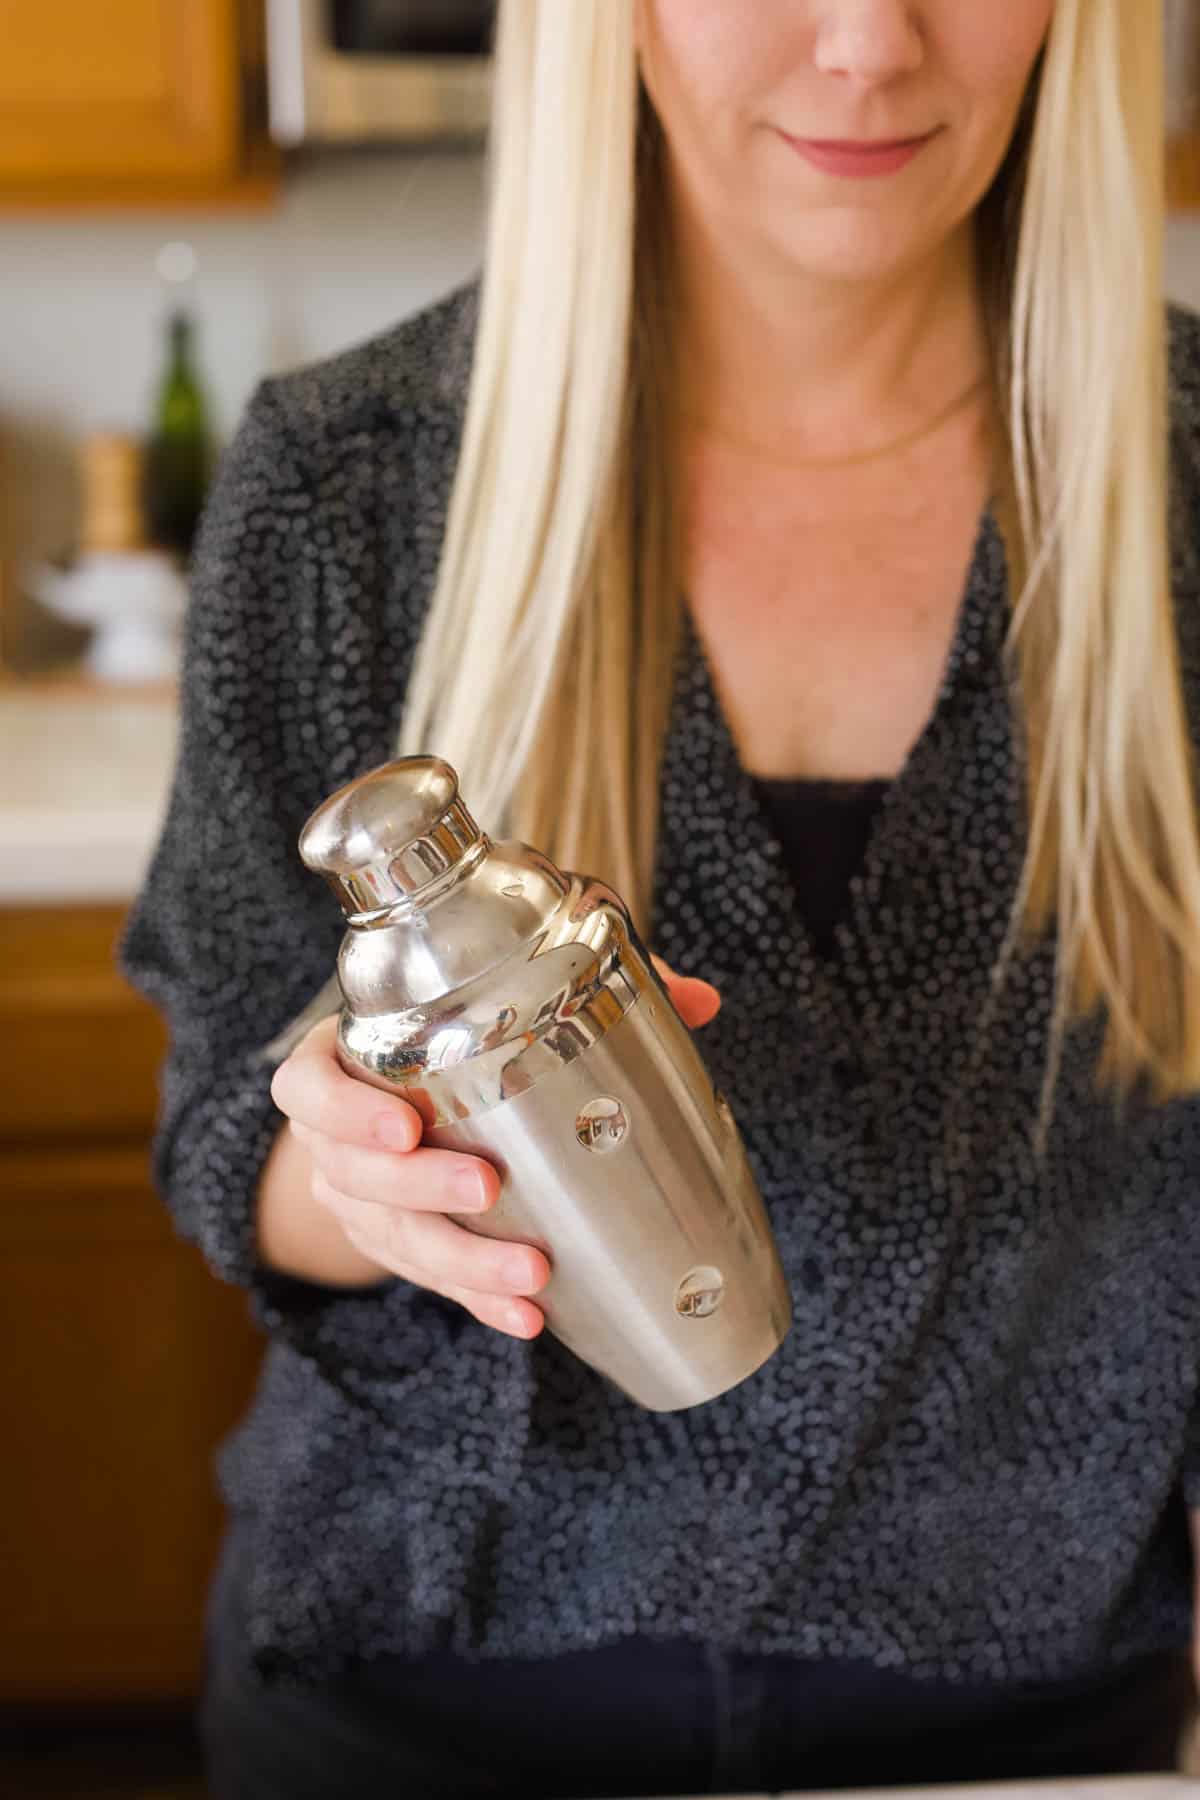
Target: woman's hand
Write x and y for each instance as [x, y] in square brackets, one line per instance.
[355, 1155]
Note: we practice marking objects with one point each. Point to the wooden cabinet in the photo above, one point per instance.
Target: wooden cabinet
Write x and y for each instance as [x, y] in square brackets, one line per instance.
[124, 1360]
[1181, 51]
[1183, 172]
[131, 100]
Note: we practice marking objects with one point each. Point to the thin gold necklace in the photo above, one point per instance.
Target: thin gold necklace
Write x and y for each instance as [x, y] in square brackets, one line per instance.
[857, 456]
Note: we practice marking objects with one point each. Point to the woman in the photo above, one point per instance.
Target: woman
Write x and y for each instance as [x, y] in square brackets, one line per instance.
[780, 533]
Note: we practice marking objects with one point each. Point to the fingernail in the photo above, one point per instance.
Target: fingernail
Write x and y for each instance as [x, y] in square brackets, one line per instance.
[525, 1275]
[394, 1131]
[470, 1190]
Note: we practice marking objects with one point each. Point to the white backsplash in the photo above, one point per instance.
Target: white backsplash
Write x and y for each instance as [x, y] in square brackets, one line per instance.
[1183, 259]
[356, 242]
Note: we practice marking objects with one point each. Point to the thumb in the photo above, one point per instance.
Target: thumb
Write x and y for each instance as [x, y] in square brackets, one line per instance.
[695, 1000]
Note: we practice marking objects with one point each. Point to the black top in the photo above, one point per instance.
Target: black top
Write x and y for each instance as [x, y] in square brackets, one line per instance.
[823, 827]
[970, 1457]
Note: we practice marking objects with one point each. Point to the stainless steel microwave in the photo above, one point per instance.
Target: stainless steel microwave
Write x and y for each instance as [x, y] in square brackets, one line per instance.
[361, 71]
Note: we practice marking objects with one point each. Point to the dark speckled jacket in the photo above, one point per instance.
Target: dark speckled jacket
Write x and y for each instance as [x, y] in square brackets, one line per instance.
[971, 1457]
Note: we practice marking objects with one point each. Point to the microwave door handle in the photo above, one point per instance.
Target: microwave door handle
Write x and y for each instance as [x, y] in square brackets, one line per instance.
[289, 26]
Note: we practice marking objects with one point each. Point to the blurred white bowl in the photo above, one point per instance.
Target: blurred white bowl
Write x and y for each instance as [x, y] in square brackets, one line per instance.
[135, 601]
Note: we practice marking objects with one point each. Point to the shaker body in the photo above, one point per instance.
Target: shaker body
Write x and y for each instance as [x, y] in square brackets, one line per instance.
[629, 1171]
[513, 1005]
[572, 1072]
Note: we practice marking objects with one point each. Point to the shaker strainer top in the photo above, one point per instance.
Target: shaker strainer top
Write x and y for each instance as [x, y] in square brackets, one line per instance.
[384, 838]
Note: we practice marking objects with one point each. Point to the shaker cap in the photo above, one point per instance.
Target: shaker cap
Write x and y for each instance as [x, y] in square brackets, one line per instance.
[383, 838]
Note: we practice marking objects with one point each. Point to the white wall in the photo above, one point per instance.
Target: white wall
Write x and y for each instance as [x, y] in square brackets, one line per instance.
[1183, 259]
[357, 241]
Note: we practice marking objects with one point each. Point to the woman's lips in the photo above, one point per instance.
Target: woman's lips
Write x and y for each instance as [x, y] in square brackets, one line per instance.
[858, 159]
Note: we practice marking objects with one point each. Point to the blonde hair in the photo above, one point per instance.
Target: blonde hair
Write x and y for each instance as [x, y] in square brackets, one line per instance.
[544, 671]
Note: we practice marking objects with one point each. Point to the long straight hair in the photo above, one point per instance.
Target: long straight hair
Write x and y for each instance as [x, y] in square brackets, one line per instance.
[544, 669]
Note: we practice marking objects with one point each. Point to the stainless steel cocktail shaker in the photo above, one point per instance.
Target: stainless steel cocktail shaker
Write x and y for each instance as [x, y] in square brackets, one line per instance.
[514, 1006]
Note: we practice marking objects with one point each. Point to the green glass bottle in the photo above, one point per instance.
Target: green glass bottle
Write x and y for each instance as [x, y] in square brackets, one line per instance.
[179, 455]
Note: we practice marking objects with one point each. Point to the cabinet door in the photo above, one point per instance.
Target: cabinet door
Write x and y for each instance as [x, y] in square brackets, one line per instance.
[124, 1363]
[123, 90]
[79, 1050]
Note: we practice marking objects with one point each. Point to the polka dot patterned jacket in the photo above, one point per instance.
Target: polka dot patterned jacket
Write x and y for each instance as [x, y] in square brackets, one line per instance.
[972, 1456]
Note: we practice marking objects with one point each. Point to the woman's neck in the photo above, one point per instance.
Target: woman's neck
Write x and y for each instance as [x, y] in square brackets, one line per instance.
[808, 368]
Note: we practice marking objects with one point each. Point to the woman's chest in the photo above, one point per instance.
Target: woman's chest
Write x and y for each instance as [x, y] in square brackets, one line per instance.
[827, 636]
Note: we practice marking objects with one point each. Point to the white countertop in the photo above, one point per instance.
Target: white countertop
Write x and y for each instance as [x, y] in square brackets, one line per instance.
[84, 775]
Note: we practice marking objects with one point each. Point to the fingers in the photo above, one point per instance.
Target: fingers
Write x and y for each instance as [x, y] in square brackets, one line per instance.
[313, 1089]
[390, 1194]
[519, 1318]
[421, 1180]
[436, 1253]
[696, 1001]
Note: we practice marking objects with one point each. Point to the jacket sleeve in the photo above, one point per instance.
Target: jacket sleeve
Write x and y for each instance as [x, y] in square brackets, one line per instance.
[231, 935]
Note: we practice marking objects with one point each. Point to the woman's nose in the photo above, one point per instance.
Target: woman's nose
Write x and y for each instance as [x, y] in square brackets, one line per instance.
[868, 41]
